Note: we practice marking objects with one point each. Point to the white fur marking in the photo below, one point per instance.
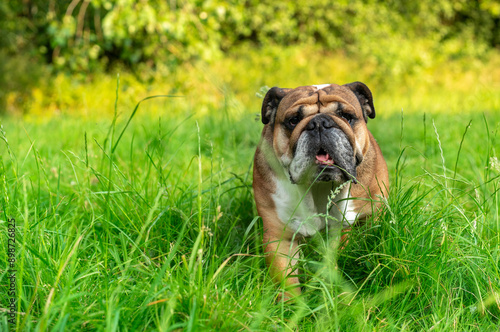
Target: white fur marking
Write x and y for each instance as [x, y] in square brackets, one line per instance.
[350, 215]
[321, 86]
[299, 209]
[296, 209]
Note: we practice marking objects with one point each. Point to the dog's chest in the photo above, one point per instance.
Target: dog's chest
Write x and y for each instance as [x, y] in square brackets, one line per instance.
[304, 209]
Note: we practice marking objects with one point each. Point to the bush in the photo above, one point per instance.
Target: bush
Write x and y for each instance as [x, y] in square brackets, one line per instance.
[88, 34]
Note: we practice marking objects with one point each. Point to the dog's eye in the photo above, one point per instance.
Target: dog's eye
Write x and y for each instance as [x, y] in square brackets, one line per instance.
[349, 117]
[294, 121]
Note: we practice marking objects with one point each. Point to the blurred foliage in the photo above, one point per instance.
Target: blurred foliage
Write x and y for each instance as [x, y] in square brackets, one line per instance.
[152, 37]
[80, 35]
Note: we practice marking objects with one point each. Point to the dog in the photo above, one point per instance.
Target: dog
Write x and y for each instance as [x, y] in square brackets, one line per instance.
[315, 142]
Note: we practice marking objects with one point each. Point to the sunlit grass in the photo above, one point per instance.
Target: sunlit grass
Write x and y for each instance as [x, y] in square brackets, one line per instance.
[161, 234]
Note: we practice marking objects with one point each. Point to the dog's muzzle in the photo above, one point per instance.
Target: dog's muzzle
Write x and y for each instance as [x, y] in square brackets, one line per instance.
[328, 149]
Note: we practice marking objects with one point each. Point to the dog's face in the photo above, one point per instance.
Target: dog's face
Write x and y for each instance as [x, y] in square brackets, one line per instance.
[319, 132]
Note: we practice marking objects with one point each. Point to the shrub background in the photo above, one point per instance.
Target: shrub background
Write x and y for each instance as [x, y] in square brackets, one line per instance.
[82, 34]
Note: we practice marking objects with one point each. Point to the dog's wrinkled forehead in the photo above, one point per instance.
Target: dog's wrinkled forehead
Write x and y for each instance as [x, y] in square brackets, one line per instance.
[356, 94]
[322, 94]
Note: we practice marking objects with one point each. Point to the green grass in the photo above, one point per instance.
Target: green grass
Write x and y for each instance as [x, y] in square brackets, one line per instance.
[161, 234]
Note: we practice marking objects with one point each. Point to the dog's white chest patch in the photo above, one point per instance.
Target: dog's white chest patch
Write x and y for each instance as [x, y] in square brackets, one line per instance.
[306, 213]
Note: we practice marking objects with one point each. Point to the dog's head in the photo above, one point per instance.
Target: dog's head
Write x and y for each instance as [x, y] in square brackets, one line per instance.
[319, 132]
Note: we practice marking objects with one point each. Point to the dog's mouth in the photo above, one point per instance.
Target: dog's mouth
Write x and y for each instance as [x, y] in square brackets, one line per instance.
[323, 158]
[328, 167]
[326, 157]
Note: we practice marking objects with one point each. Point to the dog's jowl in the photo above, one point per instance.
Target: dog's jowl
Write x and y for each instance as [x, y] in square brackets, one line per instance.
[315, 139]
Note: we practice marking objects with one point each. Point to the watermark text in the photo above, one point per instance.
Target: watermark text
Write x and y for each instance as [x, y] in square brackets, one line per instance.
[11, 271]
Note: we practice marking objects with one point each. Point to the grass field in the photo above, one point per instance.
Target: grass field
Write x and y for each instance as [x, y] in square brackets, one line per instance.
[156, 230]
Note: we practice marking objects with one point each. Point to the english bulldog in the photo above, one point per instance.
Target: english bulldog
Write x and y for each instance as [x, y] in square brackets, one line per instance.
[317, 166]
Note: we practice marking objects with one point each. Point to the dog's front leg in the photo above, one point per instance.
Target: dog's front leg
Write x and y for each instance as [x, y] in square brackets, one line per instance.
[281, 257]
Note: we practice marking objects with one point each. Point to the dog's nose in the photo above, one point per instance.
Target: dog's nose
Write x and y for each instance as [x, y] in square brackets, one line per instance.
[321, 122]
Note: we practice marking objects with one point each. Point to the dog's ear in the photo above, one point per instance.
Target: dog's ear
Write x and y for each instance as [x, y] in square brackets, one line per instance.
[365, 98]
[270, 104]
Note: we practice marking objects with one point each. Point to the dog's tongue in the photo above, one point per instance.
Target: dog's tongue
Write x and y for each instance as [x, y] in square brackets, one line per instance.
[324, 159]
